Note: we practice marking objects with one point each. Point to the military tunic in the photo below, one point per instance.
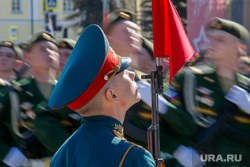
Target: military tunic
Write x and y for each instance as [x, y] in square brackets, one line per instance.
[53, 127]
[19, 108]
[99, 142]
[34, 118]
[196, 99]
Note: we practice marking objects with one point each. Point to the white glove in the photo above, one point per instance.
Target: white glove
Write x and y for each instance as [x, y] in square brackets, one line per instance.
[240, 97]
[15, 158]
[188, 157]
[35, 163]
[145, 91]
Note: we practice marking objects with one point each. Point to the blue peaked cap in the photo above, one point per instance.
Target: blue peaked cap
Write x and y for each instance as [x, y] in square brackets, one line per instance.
[83, 75]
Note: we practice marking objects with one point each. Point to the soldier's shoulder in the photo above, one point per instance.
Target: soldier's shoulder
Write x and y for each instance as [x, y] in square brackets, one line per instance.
[3, 82]
[5, 85]
[244, 81]
[199, 70]
[23, 82]
[135, 154]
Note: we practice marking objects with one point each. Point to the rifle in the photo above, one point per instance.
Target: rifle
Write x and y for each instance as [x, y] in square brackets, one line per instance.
[156, 78]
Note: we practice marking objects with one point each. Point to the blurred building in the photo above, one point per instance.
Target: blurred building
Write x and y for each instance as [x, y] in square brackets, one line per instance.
[21, 18]
[199, 11]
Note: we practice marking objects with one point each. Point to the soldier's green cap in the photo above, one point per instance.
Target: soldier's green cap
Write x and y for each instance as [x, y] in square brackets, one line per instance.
[117, 15]
[24, 46]
[230, 27]
[43, 36]
[14, 47]
[66, 43]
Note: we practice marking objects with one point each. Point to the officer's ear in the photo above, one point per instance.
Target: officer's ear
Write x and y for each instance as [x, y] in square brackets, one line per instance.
[112, 96]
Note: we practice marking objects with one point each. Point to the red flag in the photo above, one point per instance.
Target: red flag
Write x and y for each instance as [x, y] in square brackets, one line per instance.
[170, 38]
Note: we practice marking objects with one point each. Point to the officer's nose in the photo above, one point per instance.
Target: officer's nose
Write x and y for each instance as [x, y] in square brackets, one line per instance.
[131, 75]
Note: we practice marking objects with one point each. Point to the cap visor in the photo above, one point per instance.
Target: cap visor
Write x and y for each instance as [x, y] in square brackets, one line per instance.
[126, 61]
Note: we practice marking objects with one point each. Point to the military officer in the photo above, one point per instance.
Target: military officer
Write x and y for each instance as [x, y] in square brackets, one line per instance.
[20, 145]
[54, 127]
[207, 113]
[101, 95]
[10, 55]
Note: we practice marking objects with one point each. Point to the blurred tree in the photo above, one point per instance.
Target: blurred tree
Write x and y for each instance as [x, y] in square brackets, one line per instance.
[91, 12]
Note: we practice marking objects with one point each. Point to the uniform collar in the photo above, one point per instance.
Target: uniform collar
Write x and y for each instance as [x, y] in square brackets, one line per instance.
[106, 121]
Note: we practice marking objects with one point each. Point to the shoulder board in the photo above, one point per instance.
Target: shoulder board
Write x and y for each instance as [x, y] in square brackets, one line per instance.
[202, 69]
[244, 81]
[19, 85]
[5, 84]
[2, 82]
[22, 82]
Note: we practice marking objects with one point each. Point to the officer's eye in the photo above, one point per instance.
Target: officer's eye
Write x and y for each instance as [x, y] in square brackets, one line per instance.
[10, 56]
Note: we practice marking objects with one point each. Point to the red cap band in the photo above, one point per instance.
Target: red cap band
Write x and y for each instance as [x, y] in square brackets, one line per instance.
[109, 64]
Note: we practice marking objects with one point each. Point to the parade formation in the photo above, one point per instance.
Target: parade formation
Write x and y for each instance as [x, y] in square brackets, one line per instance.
[114, 98]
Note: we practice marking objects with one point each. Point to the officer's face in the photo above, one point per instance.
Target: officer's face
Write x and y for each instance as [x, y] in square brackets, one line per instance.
[43, 55]
[126, 88]
[7, 59]
[125, 37]
[222, 46]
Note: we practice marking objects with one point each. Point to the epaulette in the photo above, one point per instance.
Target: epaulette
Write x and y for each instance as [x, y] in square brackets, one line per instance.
[5, 84]
[201, 69]
[17, 86]
[23, 82]
[244, 81]
[2, 82]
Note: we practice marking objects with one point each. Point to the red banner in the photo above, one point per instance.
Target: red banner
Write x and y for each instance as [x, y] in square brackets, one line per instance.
[170, 38]
[199, 11]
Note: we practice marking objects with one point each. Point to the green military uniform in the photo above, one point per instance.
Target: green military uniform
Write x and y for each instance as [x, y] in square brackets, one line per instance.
[35, 119]
[65, 121]
[19, 108]
[197, 98]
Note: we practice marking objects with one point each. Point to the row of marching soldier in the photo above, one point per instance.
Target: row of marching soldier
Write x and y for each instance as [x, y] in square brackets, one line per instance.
[204, 111]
